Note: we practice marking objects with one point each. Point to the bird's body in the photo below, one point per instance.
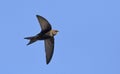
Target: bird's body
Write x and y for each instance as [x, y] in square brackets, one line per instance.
[46, 34]
[41, 36]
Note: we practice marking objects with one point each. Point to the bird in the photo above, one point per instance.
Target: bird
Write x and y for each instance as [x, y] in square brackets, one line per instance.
[46, 34]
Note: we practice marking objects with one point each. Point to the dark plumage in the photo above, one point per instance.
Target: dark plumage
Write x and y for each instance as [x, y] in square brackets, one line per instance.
[46, 34]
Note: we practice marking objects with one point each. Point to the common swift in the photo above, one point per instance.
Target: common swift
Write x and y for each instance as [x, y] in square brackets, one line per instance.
[46, 34]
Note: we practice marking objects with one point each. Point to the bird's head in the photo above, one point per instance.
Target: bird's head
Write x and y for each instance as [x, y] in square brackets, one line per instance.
[54, 32]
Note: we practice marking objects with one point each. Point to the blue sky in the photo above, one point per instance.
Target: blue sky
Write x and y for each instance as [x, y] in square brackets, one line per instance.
[88, 41]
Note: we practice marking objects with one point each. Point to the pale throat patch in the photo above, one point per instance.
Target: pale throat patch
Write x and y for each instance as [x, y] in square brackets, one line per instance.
[52, 33]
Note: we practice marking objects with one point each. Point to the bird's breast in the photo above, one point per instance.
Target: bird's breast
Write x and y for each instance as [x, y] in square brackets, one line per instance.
[43, 37]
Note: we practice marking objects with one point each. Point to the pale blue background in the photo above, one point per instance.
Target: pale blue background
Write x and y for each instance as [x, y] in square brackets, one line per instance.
[88, 41]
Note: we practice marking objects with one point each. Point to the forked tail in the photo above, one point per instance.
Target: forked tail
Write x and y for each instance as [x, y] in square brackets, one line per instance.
[32, 39]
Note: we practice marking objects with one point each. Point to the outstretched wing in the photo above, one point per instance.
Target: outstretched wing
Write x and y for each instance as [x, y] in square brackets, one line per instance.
[49, 49]
[44, 24]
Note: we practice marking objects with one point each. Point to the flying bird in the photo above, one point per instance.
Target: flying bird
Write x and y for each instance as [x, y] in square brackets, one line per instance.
[46, 34]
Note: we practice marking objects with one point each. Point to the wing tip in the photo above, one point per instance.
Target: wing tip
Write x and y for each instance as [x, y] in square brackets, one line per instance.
[47, 62]
[37, 15]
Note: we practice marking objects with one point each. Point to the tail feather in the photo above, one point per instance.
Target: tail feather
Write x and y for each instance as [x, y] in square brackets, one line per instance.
[32, 39]
[28, 38]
